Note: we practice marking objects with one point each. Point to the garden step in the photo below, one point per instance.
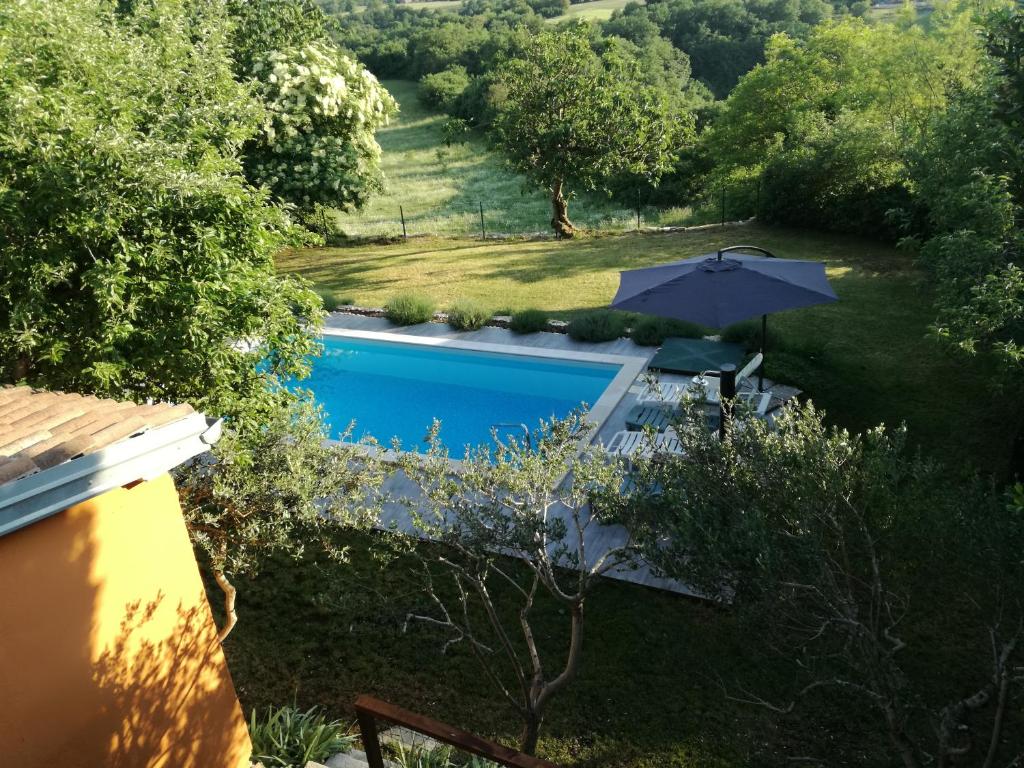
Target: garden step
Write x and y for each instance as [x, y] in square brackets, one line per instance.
[352, 759]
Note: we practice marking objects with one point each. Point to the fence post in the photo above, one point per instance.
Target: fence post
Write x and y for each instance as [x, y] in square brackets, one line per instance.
[723, 206]
[638, 209]
[757, 200]
[483, 231]
[368, 734]
[401, 213]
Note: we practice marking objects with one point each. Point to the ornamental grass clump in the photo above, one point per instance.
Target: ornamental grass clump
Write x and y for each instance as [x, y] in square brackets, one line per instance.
[468, 315]
[409, 309]
[528, 321]
[648, 331]
[603, 325]
[289, 738]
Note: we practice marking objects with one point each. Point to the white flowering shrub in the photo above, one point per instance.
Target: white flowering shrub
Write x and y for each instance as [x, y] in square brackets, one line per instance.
[317, 145]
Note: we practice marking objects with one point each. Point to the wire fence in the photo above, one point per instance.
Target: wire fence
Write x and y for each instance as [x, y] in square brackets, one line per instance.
[532, 216]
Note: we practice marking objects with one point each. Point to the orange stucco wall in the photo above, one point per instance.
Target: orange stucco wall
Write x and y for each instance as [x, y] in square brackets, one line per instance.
[108, 651]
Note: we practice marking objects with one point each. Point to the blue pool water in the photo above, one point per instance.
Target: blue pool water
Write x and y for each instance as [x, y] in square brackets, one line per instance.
[396, 390]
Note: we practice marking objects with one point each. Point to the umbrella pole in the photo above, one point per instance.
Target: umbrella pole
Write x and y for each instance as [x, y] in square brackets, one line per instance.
[764, 340]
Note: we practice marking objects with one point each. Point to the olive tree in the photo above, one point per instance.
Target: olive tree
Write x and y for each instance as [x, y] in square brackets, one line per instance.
[506, 509]
[571, 117]
[850, 553]
[136, 261]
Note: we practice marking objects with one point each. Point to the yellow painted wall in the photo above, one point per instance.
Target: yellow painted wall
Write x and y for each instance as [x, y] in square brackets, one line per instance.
[108, 651]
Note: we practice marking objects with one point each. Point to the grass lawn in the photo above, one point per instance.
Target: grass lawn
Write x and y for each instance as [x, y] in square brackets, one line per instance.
[593, 10]
[647, 696]
[865, 359]
[440, 189]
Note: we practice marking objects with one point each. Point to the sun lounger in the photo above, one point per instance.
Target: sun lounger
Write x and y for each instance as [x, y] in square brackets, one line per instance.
[703, 386]
[632, 445]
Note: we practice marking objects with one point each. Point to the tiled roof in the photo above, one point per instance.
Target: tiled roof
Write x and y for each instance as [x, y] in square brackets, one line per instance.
[41, 429]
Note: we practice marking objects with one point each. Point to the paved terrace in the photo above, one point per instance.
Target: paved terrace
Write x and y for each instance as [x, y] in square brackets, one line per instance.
[599, 538]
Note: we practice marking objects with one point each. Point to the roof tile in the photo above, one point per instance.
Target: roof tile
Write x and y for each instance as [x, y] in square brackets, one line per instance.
[40, 429]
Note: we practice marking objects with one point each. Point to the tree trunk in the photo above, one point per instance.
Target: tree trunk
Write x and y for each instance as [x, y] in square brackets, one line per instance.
[230, 617]
[560, 212]
[898, 736]
[21, 367]
[531, 733]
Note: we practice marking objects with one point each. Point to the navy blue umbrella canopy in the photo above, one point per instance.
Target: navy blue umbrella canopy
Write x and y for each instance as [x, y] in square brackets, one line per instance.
[724, 288]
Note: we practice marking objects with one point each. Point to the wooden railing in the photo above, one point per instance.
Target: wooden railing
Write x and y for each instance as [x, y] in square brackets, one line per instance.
[371, 711]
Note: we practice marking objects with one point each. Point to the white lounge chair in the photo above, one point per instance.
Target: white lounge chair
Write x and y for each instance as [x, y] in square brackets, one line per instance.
[631, 445]
[703, 384]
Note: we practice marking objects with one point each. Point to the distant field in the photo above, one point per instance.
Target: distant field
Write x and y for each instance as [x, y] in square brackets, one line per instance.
[594, 10]
[440, 189]
[433, 5]
[891, 12]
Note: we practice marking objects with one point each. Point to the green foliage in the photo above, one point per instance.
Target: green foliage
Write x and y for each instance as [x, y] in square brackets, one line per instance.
[549, 9]
[724, 38]
[650, 331]
[559, 87]
[133, 265]
[332, 301]
[847, 552]
[748, 333]
[441, 90]
[137, 263]
[317, 143]
[263, 26]
[290, 738]
[468, 315]
[826, 122]
[529, 321]
[600, 325]
[504, 499]
[434, 757]
[276, 487]
[970, 175]
[409, 309]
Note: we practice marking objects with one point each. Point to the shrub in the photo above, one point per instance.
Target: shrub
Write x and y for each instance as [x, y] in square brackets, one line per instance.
[650, 331]
[409, 309]
[468, 315]
[332, 301]
[289, 738]
[604, 325]
[748, 333]
[440, 90]
[529, 321]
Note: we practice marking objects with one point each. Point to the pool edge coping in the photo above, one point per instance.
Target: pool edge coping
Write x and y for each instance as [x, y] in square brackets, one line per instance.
[630, 368]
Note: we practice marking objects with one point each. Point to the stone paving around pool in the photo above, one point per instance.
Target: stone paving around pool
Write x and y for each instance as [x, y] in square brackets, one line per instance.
[599, 538]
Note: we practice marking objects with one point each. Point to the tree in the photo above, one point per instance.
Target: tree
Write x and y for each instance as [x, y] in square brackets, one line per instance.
[136, 262]
[507, 504]
[275, 490]
[826, 122]
[264, 26]
[317, 144]
[970, 177]
[850, 554]
[573, 117]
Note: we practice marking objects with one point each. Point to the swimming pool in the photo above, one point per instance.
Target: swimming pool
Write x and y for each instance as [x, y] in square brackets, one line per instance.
[394, 386]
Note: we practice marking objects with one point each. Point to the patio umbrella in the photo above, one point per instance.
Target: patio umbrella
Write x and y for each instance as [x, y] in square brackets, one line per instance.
[717, 290]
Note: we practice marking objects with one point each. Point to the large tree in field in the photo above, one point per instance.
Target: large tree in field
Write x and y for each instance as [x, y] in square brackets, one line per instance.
[136, 261]
[572, 118]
